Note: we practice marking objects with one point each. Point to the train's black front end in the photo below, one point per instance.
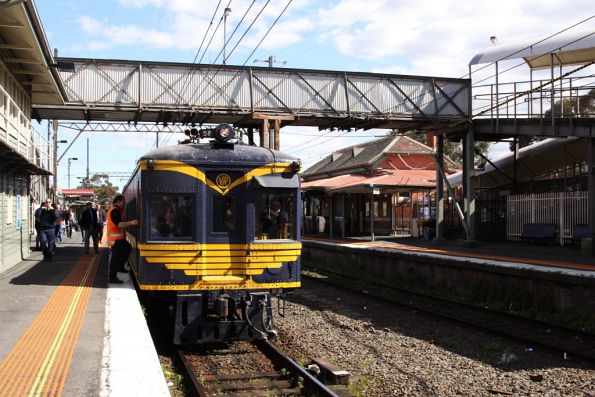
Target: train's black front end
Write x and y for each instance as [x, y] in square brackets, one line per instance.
[219, 229]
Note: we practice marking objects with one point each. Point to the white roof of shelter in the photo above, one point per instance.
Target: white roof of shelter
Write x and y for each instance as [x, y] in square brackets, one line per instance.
[574, 48]
[534, 160]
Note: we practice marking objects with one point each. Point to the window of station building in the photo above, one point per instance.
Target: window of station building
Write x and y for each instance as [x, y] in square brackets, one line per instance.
[171, 216]
[224, 214]
[275, 214]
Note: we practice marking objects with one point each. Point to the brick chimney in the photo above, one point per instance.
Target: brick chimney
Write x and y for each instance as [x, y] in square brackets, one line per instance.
[431, 140]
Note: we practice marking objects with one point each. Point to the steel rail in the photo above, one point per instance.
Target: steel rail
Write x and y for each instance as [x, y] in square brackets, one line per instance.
[578, 343]
[312, 386]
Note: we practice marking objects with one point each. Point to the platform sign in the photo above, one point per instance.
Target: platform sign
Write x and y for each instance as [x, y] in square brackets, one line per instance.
[19, 212]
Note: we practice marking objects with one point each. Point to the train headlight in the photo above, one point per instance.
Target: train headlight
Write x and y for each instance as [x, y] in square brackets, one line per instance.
[224, 132]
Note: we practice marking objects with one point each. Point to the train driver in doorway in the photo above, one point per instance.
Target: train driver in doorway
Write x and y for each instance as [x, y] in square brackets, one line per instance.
[116, 238]
[279, 218]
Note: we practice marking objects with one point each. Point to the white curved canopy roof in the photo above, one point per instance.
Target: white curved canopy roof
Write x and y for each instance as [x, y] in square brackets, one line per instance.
[574, 48]
[534, 160]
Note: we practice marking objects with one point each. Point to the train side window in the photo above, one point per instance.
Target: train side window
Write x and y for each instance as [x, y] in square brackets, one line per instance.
[275, 212]
[171, 216]
[223, 214]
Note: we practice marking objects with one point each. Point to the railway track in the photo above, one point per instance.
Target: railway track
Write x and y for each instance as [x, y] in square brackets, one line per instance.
[219, 371]
[533, 333]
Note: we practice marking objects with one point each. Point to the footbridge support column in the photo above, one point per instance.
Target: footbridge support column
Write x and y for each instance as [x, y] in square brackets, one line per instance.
[271, 138]
[588, 244]
[469, 185]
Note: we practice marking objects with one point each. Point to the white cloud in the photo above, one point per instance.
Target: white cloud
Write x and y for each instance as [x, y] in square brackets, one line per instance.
[430, 32]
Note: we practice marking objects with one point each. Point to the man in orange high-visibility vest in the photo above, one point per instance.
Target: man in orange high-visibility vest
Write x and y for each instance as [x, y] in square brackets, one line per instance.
[116, 238]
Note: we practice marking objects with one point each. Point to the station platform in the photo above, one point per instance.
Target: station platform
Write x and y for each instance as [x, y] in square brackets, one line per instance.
[67, 332]
[538, 257]
[530, 279]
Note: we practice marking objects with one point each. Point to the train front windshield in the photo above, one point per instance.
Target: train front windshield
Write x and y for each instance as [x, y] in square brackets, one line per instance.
[275, 213]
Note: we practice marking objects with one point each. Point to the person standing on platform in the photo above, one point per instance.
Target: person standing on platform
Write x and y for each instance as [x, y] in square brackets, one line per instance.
[89, 223]
[80, 215]
[58, 229]
[47, 226]
[116, 238]
[101, 219]
[37, 215]
[67, 216]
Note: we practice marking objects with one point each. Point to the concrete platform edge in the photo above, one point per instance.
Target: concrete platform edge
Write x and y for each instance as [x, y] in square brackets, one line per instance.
[130, 365]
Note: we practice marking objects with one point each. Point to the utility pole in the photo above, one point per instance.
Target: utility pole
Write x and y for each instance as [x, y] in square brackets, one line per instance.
[55, 128]
[87, 158]
[270, 61]
[226, 13]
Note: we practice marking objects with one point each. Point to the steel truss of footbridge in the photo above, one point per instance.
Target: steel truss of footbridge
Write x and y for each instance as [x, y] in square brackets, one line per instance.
[168, 93]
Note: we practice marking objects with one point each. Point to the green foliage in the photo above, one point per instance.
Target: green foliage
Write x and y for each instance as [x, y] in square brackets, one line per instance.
[365, 363]
[104, 190]
[360, 387]
[453, 150]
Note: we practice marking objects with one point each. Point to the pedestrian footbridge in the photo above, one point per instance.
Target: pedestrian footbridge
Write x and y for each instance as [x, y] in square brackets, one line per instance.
[133, 91]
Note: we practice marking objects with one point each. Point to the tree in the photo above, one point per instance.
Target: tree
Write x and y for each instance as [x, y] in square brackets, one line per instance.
[102, 187]
[581, 106]
[453, 150]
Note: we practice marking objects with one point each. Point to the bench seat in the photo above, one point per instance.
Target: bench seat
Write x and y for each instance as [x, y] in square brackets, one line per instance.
[539, 231]
[580, 231]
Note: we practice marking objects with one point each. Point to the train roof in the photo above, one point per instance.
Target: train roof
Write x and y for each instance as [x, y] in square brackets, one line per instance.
[211, 153]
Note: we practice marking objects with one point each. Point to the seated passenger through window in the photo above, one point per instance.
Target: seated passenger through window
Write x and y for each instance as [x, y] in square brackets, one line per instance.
[274, 209]
[171, 217]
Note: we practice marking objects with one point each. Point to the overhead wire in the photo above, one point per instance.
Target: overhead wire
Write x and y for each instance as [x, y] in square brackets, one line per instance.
[475, 84]
[249, 56]
[193, 71]
[192, 95]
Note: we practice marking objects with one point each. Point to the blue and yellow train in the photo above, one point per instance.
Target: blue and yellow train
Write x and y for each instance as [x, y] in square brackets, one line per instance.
[219, 233]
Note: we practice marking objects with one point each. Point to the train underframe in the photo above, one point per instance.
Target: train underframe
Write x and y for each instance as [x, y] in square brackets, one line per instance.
[218, 316]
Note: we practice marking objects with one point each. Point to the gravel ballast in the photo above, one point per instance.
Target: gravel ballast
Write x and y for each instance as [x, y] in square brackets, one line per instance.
[393, 351]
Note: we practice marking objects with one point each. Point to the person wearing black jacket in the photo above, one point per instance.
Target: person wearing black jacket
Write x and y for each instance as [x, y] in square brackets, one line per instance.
[101, 221]
[88, 222]
[47, 219]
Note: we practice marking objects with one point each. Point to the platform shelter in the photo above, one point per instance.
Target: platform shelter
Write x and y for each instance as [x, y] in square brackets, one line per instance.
[385, 186]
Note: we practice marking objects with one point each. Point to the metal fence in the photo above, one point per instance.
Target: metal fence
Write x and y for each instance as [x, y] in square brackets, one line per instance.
[565, 209]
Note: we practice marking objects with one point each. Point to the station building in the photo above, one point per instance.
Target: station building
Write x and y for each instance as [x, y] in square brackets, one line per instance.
[27, 76]
[383, 186]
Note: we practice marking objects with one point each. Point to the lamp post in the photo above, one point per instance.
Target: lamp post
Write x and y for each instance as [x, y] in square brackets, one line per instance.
[69, 160]
[226, 13]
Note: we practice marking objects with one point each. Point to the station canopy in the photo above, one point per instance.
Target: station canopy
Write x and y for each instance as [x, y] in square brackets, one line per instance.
[575, 48]
[534, 160]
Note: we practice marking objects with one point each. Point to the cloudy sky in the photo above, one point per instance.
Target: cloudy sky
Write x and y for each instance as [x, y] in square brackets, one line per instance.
[390, 36]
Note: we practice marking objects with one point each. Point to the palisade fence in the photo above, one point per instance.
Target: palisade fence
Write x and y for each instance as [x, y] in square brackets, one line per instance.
[566, 209]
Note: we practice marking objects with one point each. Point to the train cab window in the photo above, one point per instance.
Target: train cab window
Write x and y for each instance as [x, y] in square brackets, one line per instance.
[275, 212]
[171, 216]
[223, 214]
